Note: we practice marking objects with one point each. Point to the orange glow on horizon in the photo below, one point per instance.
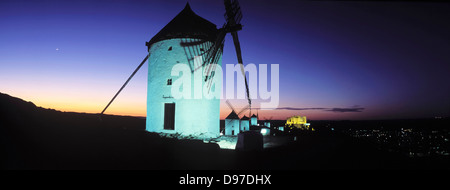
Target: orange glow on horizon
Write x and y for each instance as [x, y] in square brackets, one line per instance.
[129, 104]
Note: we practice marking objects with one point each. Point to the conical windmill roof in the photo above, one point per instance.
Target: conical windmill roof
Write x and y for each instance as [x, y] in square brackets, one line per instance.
[232, 115]
[186, 24]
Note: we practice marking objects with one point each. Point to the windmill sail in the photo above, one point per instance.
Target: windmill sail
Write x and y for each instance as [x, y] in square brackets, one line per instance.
[196, 51]
[233, 11]
[233, 16]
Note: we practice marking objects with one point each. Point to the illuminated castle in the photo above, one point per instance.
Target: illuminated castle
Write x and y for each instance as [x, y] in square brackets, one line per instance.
[298, 122]
[185, 40]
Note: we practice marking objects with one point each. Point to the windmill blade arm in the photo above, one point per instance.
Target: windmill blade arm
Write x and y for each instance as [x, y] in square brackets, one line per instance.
[243, 109]
[213, 56]
[214, 50]
[123, 86]
[237, 46]
[217, 46]
[229, 105]
[233, 11]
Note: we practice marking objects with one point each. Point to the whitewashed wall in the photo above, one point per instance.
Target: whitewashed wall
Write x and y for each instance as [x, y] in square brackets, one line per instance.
[230, 125]
[200, 117]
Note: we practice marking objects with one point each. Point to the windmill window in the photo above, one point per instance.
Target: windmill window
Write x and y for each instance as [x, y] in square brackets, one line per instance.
[169, 81]
[170, 48]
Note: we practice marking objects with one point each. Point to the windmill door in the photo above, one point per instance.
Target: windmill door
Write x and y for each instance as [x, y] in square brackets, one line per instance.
[169, 116]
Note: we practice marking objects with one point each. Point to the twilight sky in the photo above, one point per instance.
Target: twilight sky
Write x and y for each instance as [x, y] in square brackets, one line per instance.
[338, 60]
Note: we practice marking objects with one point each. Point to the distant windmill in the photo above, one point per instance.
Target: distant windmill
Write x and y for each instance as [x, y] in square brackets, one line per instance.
[232, 121]
[191, 39]
[267, 121]
[254, 119]
[245, 123]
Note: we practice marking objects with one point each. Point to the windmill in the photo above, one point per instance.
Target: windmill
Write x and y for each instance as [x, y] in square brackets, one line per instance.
[232, 121]
[188, 38]
[267, 121]
[254, 118]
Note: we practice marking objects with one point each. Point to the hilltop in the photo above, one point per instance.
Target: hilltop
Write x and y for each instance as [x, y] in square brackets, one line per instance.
[37, 138]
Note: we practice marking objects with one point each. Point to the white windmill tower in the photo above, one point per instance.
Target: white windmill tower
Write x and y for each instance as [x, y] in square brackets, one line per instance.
[245, 123]
[194, 41]
[232, 121]
[254, 120]
[232, 124]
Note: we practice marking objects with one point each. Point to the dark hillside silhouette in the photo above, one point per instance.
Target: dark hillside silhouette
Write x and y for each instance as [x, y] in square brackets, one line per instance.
[32, 137]
[37, 138]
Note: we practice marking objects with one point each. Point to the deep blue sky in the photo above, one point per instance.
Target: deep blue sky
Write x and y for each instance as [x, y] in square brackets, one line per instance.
[383, 59]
